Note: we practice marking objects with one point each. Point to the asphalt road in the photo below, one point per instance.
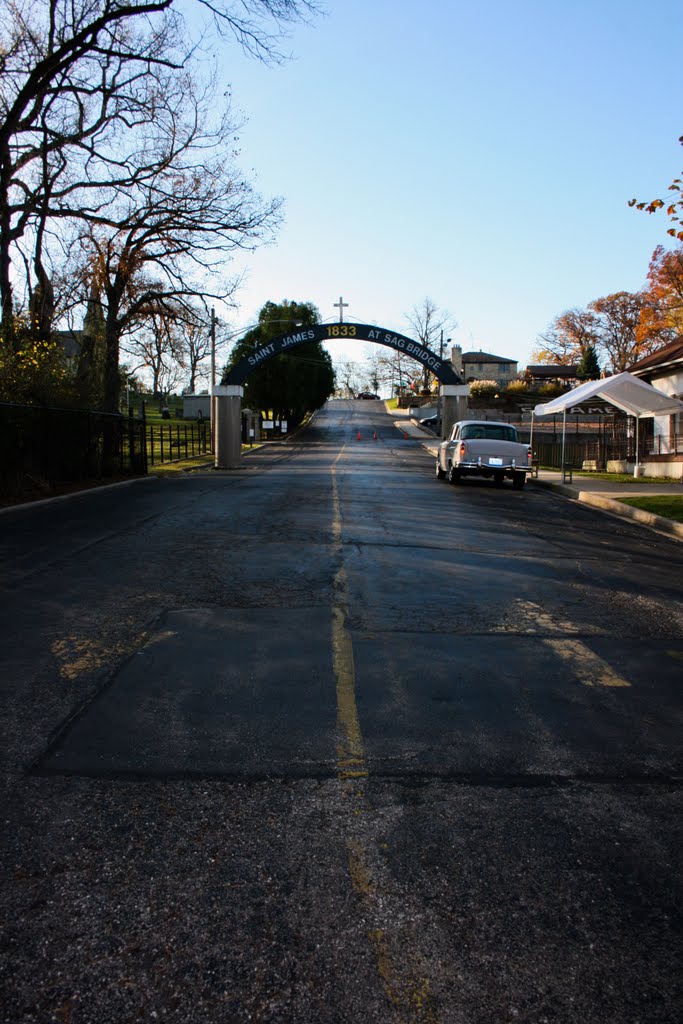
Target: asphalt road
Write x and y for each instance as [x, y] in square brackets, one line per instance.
[326, 740]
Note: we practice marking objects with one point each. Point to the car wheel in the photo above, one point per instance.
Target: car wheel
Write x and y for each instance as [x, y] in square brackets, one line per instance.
[440, 473]
[518, 480]
[453, 474]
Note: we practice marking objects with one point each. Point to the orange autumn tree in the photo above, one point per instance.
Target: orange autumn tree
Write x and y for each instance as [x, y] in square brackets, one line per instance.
[567, 337]
[608, 325]
[661, 318]
[673, 206]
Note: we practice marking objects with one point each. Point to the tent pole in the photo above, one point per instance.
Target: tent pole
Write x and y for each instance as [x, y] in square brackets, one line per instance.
[637, 449]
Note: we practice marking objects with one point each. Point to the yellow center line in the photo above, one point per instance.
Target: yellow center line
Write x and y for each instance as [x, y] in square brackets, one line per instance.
[350, 750]
[410, 998]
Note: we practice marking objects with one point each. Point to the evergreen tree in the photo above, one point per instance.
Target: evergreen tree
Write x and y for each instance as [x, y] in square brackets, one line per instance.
[588, 367]
[288, 385]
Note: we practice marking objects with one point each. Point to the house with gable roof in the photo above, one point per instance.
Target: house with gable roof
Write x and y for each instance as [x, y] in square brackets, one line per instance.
[664, 370]
[483, 366]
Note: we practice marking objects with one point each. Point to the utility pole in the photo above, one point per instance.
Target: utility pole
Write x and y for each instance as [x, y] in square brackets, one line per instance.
[212, 400]
[213, 346]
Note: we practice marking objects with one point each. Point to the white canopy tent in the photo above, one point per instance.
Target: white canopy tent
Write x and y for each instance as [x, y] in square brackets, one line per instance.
[628, 393]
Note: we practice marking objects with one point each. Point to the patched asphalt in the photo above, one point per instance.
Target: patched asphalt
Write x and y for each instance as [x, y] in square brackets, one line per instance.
[326, 740]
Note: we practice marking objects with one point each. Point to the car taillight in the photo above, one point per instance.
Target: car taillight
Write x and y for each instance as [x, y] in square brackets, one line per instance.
[529, 455]
[462, 451]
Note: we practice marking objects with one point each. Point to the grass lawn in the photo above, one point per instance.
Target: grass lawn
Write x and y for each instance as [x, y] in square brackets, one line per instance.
[619, 478]
[182, 466]
[201, 462]
[670, 506]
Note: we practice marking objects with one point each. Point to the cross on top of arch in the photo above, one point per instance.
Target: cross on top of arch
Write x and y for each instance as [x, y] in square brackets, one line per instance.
[341, 305]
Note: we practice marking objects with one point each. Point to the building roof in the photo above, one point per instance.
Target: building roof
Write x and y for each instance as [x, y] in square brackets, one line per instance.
[551, 371]
[71, 342]
[484, 357]
[671, 353]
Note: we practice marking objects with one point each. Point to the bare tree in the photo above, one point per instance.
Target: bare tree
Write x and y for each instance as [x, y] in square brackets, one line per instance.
[567, 337]
[61, 65]
[618, 317]
[151, 246]
[397, 371]
[189, 328]
[430, 324]
[76, 78]
[349, 377]
[156, 347]
[610, 325]
[196, 346]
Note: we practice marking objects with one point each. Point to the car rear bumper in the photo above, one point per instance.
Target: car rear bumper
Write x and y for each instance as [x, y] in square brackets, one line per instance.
[485, 467]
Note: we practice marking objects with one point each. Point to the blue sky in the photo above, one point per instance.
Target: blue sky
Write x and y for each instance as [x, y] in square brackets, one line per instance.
[481, 154]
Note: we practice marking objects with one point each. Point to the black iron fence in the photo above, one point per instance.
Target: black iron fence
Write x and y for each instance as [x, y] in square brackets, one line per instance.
[170, 442]
[602, 435]
[598, 450]
[44, 449]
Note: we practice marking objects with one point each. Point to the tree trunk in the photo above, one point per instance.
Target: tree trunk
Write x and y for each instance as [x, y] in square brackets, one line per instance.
[111, 361]
[6, 299]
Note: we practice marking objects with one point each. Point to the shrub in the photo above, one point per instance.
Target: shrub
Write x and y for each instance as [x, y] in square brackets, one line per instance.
[552, 389]
[484, 389]
[517, 387]
[34, 371]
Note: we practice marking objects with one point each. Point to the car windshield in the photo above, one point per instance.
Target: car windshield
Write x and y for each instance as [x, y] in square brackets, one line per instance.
[488, 432]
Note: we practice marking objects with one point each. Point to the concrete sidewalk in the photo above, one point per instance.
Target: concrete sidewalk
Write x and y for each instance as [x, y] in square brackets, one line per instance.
[595, 485]
[403, 421]
[604, 494]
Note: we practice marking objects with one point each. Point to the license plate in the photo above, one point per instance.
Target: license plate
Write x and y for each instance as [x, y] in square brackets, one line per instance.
[495, 462]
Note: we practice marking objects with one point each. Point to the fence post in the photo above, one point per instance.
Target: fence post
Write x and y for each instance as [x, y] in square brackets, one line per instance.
[131, 442]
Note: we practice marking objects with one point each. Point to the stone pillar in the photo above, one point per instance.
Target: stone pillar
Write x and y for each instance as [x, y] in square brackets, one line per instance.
[453, 400]
[227, 399]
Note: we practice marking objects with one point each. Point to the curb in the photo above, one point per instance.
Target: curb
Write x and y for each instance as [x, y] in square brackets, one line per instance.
[74, 494]
[637, 515]
[617, 508]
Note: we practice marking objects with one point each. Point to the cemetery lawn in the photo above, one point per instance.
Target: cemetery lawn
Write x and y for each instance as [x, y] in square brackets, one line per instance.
[181, 466]
[187, 465]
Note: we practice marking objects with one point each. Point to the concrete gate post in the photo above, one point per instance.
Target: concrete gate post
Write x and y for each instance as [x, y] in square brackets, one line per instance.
[453, 399]
[227, 401]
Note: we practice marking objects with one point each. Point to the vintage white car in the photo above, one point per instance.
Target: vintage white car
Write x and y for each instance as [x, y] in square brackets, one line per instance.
[483, 448]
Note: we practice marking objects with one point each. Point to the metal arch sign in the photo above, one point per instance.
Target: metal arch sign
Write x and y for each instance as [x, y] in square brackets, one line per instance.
[441, 368]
